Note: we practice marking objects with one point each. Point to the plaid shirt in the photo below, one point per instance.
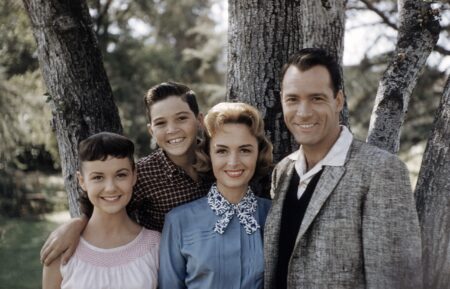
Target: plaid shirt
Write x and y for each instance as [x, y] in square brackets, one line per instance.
[161, 186]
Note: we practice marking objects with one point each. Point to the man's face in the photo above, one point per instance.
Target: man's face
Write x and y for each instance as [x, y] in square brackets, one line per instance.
[311, 112]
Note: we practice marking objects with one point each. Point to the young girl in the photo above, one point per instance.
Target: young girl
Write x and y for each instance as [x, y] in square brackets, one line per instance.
[113, 252]
[216, 241]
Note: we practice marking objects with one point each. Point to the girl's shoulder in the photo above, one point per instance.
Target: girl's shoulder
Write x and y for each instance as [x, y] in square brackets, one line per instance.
[151, 236]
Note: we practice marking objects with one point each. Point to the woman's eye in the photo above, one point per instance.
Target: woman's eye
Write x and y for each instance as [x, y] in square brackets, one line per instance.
[122, 175]
[97, 178]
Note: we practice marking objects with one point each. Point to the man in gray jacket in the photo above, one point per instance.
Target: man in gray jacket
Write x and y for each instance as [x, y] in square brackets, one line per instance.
[343, 213]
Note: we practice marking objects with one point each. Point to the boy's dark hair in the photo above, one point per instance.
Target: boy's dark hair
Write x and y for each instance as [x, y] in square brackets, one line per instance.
[99, 147]
[309, 57]
[166, 89]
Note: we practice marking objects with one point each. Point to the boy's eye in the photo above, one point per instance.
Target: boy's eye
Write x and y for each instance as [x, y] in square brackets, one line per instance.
[160, 123]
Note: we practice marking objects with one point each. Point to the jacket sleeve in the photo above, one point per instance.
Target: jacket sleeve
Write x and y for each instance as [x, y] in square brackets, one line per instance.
[172, 264]
[390, 229]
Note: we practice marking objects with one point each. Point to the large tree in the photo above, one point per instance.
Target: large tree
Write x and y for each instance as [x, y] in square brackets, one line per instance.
[78, 89]
[261, 37]
[433, 199]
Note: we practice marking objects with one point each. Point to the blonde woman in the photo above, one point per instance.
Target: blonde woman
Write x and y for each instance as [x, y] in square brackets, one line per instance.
[216, 241]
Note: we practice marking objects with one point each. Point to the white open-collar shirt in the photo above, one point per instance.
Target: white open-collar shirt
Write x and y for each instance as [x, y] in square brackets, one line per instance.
[335, 157]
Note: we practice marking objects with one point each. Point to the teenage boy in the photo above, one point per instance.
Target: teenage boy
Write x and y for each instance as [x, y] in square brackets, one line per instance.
[165, 179]
[343, 214]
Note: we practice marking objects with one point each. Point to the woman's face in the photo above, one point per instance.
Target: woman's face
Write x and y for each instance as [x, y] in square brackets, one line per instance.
[234, 153]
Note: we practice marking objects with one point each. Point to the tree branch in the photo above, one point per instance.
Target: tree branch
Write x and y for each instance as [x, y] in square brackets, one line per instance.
[377, 11]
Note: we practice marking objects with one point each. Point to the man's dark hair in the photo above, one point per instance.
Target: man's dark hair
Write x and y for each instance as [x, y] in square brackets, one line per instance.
[310, 57]
[99, 147]
[166, 89]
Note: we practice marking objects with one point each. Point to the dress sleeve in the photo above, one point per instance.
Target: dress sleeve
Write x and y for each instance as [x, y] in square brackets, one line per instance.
[390, 229]
[172, 264]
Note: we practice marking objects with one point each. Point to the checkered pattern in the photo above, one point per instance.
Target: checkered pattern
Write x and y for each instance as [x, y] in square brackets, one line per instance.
[160, 187]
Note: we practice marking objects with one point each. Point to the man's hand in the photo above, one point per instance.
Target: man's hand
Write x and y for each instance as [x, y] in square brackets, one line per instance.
[63, 240]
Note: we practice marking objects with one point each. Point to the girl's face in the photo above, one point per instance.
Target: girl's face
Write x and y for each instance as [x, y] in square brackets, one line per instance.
[109, 183]
[234, 153]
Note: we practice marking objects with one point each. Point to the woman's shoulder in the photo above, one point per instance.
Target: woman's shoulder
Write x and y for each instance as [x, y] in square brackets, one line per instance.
[193, 208]
[264, 203]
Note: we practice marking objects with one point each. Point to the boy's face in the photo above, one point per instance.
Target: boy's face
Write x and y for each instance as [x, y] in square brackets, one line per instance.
[109, 183]
[174, 127]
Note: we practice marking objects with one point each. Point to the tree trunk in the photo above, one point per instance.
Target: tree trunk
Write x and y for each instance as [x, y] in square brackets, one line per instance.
[79, 92]
[433, 199]
[418, 33]
[261, 37]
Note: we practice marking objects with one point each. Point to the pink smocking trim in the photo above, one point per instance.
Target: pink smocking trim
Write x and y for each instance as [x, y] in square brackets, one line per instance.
[140, 246]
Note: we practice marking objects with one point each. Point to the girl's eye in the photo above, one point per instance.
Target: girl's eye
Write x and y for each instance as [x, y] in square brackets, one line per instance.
[221, 151]
[122, 175]
[246, 151]
[97, 178]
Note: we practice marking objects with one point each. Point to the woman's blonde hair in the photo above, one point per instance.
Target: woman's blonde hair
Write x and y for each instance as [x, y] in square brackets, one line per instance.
[235, 113]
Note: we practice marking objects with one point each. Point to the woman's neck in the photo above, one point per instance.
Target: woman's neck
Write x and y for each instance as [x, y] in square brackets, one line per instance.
[110, 230]
[233, 196]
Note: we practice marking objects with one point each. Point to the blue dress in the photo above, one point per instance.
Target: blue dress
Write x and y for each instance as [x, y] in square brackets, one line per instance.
[194, 256]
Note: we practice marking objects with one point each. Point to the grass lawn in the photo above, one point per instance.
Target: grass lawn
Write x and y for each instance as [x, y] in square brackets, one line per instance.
[20, 243]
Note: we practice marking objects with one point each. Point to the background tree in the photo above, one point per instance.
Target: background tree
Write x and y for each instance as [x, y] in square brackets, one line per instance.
[261, 37]
[433, 199]
[78, 89]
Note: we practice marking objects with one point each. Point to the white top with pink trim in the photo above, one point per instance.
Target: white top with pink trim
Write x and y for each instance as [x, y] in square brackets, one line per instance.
[131, 266]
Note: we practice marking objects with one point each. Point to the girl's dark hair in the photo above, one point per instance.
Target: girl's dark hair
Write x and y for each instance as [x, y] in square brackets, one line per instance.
[99, 147]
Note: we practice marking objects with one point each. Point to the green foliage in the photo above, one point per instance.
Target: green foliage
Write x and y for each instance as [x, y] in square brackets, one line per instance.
[20, 243]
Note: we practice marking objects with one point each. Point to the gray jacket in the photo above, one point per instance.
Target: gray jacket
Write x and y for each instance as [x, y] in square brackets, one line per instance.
[360, 229]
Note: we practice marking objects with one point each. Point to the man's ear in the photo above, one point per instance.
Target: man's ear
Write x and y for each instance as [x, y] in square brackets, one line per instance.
[340, 99]
[149, 129]
[81, 180]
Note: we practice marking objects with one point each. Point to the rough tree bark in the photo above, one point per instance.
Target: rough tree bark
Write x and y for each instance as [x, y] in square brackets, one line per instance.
[79, 92]
[418, 32]
[261, 37]
[433, 199]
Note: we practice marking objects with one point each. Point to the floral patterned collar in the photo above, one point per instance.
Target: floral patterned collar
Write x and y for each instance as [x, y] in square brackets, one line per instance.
[244, 210]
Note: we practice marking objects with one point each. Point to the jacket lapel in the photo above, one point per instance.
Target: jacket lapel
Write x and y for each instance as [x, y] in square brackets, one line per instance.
[328, 181]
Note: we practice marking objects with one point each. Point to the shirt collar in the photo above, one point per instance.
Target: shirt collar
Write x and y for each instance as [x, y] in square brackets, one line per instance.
[167, 164]
[335, 157]
[244, 210]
